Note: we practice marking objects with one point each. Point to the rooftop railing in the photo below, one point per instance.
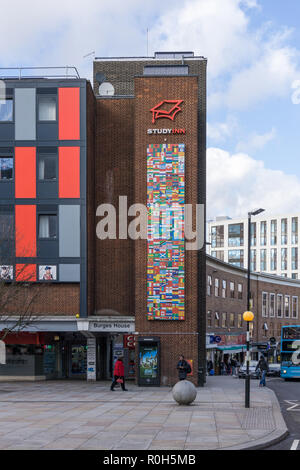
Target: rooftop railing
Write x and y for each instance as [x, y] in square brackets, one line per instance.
[20, 73]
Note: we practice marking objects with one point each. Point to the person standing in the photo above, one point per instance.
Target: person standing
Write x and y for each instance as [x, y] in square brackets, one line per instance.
[262, 365]
[183, 368]
[233, 366]
[119, 375]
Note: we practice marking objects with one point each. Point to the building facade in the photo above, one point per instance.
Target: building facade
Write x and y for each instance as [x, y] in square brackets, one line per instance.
[274, 243]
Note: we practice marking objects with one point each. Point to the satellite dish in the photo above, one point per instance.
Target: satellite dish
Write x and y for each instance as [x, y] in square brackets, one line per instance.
[106, 89]
[100, 77]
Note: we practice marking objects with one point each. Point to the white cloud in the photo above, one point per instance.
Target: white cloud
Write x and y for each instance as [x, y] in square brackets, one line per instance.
[237, 183]
[220, 131]
[256, 142]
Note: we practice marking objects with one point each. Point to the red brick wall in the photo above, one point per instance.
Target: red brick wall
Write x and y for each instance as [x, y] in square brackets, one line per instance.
[177, 337]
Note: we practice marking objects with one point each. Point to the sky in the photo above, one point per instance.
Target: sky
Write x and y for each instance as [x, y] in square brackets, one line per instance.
[253, 86]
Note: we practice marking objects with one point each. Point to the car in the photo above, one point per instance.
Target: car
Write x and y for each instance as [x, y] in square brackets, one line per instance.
[254, 374]
[274, 370]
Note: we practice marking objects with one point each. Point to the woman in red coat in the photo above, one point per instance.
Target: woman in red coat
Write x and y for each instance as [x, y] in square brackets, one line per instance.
[119, 374]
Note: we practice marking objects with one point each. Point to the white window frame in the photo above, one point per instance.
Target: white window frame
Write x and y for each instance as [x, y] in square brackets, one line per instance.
[209, 284]
[289, 297]
[264, 315]
[274, 309]
[295, 297]
[217, 287]
[282, 306]
[224, 286]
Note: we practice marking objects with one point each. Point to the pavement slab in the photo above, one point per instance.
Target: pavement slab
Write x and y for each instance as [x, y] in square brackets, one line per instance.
[87, 416]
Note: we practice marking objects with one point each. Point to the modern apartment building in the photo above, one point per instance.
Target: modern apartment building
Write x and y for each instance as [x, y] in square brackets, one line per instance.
[274, 243]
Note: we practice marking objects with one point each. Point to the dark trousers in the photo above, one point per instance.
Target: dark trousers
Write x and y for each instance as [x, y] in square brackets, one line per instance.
[115, 382]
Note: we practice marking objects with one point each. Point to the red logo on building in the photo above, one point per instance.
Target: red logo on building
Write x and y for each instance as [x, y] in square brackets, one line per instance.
[166, 109]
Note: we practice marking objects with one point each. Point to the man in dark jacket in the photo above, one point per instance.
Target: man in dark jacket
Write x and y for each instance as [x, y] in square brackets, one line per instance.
[183, 368]
[262, 365]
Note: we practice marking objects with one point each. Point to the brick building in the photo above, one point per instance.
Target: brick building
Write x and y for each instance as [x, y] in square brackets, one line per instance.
[68, 154]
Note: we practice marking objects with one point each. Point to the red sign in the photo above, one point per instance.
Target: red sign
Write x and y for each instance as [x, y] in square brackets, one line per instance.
[129, 341]
[166, 109]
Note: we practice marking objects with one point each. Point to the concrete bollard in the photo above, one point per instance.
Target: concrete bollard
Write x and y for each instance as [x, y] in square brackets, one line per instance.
[184, 392]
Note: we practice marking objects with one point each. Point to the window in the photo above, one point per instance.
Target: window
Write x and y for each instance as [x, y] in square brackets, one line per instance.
[264, 304]
[231, 320]
[209, 319]
[273, 232]
[294, 258]
[295, 307]
[279, 326]
[279, 305]
[209, 284]
[253, 233]
[47, 167]
[272, 305]
[236, 257]
[47, 226]
[294, 230]
[253, 260]
[263, 260]
[217, 285]
[240, 291]
[232, 290]
[224, 289]
[218, 254]
[286, 306]
[263, 233]
[273, 259]
[47, 108]
[217, 320]
[294, 276]
[6, 109]
[6, 226]
[283, 231]
[240, 320]
[283, 259]
[6, 168]
[217, 236]
[224, 320]
[236, 235]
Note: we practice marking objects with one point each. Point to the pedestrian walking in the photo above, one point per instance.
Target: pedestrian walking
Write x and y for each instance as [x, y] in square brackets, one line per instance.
[183, 368]
[119, 375]
[262, 365]
[233, 366]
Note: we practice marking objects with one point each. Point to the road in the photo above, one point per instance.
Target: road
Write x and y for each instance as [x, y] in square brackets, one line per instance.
[288, 395]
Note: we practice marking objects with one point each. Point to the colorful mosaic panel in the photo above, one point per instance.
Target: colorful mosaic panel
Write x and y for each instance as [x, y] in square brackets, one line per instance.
[166, 246]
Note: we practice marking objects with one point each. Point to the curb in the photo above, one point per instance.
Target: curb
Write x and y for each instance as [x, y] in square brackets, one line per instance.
[277, 435]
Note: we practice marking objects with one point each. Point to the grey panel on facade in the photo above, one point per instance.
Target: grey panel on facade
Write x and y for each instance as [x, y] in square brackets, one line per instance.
[69, 272]
[25, 114]
[69, 231]
[166, 70]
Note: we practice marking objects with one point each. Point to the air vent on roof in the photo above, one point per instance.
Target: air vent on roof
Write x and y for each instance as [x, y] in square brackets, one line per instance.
[172, 55]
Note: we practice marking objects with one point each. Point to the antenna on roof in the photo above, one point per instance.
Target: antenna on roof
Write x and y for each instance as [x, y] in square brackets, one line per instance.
[147, 41]
[90, 53]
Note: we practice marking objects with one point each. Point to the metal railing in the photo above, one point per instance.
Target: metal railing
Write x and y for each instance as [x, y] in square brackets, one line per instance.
[19, 73]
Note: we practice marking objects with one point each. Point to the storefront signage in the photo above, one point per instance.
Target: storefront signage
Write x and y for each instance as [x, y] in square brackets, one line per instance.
[91, 358]
[165, 131]
[129, 341]
[112, 326]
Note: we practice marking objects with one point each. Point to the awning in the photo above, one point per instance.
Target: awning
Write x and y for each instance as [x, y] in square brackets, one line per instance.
[234, 348]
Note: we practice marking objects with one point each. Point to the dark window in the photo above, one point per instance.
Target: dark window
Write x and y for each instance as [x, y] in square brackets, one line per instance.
[47, 226]
[6, 226]
[47, 167]
[6, 109]
[6, 168]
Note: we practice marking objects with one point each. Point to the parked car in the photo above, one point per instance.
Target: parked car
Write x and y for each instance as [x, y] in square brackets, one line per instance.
[274, 370]
[254, 374]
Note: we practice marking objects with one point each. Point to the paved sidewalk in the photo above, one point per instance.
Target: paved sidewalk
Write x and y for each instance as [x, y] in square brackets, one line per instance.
[80, 415]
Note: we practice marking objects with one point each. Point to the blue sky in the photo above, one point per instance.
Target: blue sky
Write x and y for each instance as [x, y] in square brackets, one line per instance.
[253, 52]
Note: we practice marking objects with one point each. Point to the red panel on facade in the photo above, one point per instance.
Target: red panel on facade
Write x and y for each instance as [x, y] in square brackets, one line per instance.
[24, 337]
[25, 223]
[25, 172]
[68, 114]
[25, 272]
[69, 172]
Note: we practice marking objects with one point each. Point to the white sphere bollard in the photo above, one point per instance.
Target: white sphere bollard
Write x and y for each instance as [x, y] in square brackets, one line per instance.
[184, 392]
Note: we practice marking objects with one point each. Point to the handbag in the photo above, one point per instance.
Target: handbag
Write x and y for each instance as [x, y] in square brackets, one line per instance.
[119, 381]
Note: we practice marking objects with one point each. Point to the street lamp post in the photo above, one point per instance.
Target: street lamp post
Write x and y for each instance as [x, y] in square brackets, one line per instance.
[248, 316]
